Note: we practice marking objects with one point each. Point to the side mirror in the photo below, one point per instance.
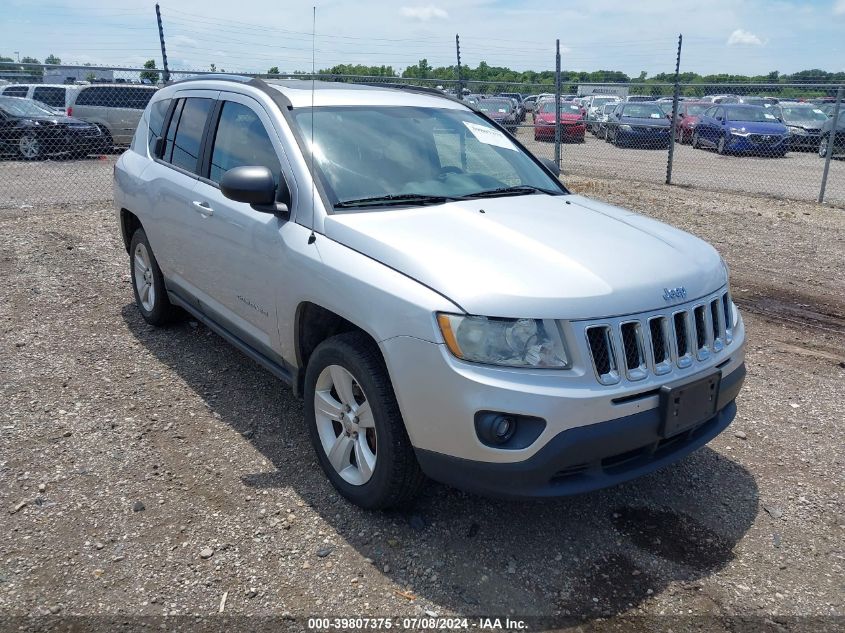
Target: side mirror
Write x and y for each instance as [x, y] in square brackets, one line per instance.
[552, 166]
[254, 186]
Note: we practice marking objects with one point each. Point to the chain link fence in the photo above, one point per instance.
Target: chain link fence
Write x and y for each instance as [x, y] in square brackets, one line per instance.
[764, 139]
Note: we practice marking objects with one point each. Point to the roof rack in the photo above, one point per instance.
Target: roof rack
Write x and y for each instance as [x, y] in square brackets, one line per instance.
[241, 79]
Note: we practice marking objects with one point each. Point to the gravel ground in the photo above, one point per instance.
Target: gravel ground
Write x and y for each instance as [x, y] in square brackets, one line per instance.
[148, 472]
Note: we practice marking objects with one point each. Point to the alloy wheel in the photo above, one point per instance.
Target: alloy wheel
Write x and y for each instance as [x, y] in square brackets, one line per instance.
[721, 146]
[144, 279]
[345, 425]
[823, 148]
[29, 146]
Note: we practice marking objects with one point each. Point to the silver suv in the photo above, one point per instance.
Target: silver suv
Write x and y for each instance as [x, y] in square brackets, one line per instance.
[440, 300]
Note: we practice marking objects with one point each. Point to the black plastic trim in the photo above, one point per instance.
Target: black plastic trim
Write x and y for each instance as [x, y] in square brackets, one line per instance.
[284, 372]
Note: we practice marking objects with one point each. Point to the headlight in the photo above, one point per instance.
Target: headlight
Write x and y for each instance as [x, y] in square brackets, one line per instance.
[625, 127]
[739, 131]
[798, 130]
[505, 342]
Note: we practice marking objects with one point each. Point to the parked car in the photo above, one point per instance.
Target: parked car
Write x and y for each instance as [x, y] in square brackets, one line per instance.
[572, 125]
[57, 96]
[529, 102]
[738, 128]
[804, 122]
[638, 98]
[518, 98]
[688, 113]
[604, 116]
[828, 108]
[445, 306]
[595, 106]
[638, 125]
[114, 108]
[838, 137]
[719, 98]
[502, 111]
[32, 131]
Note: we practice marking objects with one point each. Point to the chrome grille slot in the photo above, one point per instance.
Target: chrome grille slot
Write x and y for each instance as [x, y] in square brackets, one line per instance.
[701, 317]
[658, 328]
[632, 343]
[717, 321]
[600, 341]
[726, 305]
[682, 339]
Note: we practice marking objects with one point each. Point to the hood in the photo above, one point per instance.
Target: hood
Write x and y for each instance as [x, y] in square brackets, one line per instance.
[807, 124]
[756, 127]
[629, 120]
[564, 116]
[57, 119]
[535, 256]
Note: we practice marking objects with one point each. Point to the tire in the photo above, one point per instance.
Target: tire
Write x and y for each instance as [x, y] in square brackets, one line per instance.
[30, 147]
[721, 146]
[823, 143]
[696, 140]
[392, 477]
[148, 282]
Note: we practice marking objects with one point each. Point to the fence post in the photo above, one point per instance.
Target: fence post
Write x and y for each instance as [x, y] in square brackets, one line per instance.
[830, 143]
[557, 104]
[165, 77]
[674, 118]
[460, 80]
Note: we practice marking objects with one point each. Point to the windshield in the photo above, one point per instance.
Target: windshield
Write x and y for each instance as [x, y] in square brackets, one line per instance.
[23, 107]
[643, 111]
[376, 151]
[695, 110]
[599, 101]
[495, 105]
[755, 114]
[565, 108]
[803, 113]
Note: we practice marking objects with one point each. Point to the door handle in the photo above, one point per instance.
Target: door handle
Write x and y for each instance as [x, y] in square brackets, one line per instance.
[203, 207]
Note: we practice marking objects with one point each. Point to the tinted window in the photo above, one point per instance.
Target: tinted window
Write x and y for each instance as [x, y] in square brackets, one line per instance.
[115, 97]
[171, 130]
[16, 91]
[157, 113]
[186, 143]
[54, 97]
[241, 139]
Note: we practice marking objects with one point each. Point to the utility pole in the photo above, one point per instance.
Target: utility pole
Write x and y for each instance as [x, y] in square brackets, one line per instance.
[166, 74]
[557, 103]
[460, 79]
[675, 96]
[18, 55]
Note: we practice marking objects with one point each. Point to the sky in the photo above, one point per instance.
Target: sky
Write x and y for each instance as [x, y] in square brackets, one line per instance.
[720, 36]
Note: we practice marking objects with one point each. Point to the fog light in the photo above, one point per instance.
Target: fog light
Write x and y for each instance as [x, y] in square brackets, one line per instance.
[510, 431]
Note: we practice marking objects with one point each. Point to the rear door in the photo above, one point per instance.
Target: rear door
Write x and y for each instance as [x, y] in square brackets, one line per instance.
[242, 266]
[53, 96]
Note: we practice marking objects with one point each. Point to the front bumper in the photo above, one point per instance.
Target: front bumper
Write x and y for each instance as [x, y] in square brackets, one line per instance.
[587, 458]
[643, 138]
[746, 145]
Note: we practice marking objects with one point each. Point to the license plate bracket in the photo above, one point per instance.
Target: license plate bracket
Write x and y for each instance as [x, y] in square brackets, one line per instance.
[685, 406]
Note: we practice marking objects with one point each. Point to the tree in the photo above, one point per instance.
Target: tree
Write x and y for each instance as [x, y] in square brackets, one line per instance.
[91, 77]
[52, 59]
[149, 76]
[34, 72]
[213, 68]
[274, 70]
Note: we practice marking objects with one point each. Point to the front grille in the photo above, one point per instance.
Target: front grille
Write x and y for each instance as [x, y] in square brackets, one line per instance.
[658, 343]
[764, 139]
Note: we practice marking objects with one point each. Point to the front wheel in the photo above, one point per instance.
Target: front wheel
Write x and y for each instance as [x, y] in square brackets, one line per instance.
[721, 146]
[696, 140]
[823, 147]
[355, 424]
[29, 147]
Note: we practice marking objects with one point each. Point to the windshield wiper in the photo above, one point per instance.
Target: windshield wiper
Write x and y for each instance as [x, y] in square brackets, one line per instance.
[394, 200]
[520, 190]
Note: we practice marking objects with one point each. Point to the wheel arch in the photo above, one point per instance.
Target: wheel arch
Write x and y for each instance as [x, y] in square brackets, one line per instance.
[129, 223]
[314, 324]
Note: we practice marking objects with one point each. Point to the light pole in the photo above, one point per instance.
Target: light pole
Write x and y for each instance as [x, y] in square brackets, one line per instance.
[18, 53]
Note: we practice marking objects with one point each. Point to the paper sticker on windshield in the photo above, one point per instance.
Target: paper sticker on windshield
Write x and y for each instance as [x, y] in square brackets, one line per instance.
[769, 116]
[489, 135]
[817, 111]
[654, 115]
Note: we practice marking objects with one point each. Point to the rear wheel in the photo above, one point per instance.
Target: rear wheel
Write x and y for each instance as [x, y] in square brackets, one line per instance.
[696, 140]
[721, 146]
[148, 282]
[355, 424]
